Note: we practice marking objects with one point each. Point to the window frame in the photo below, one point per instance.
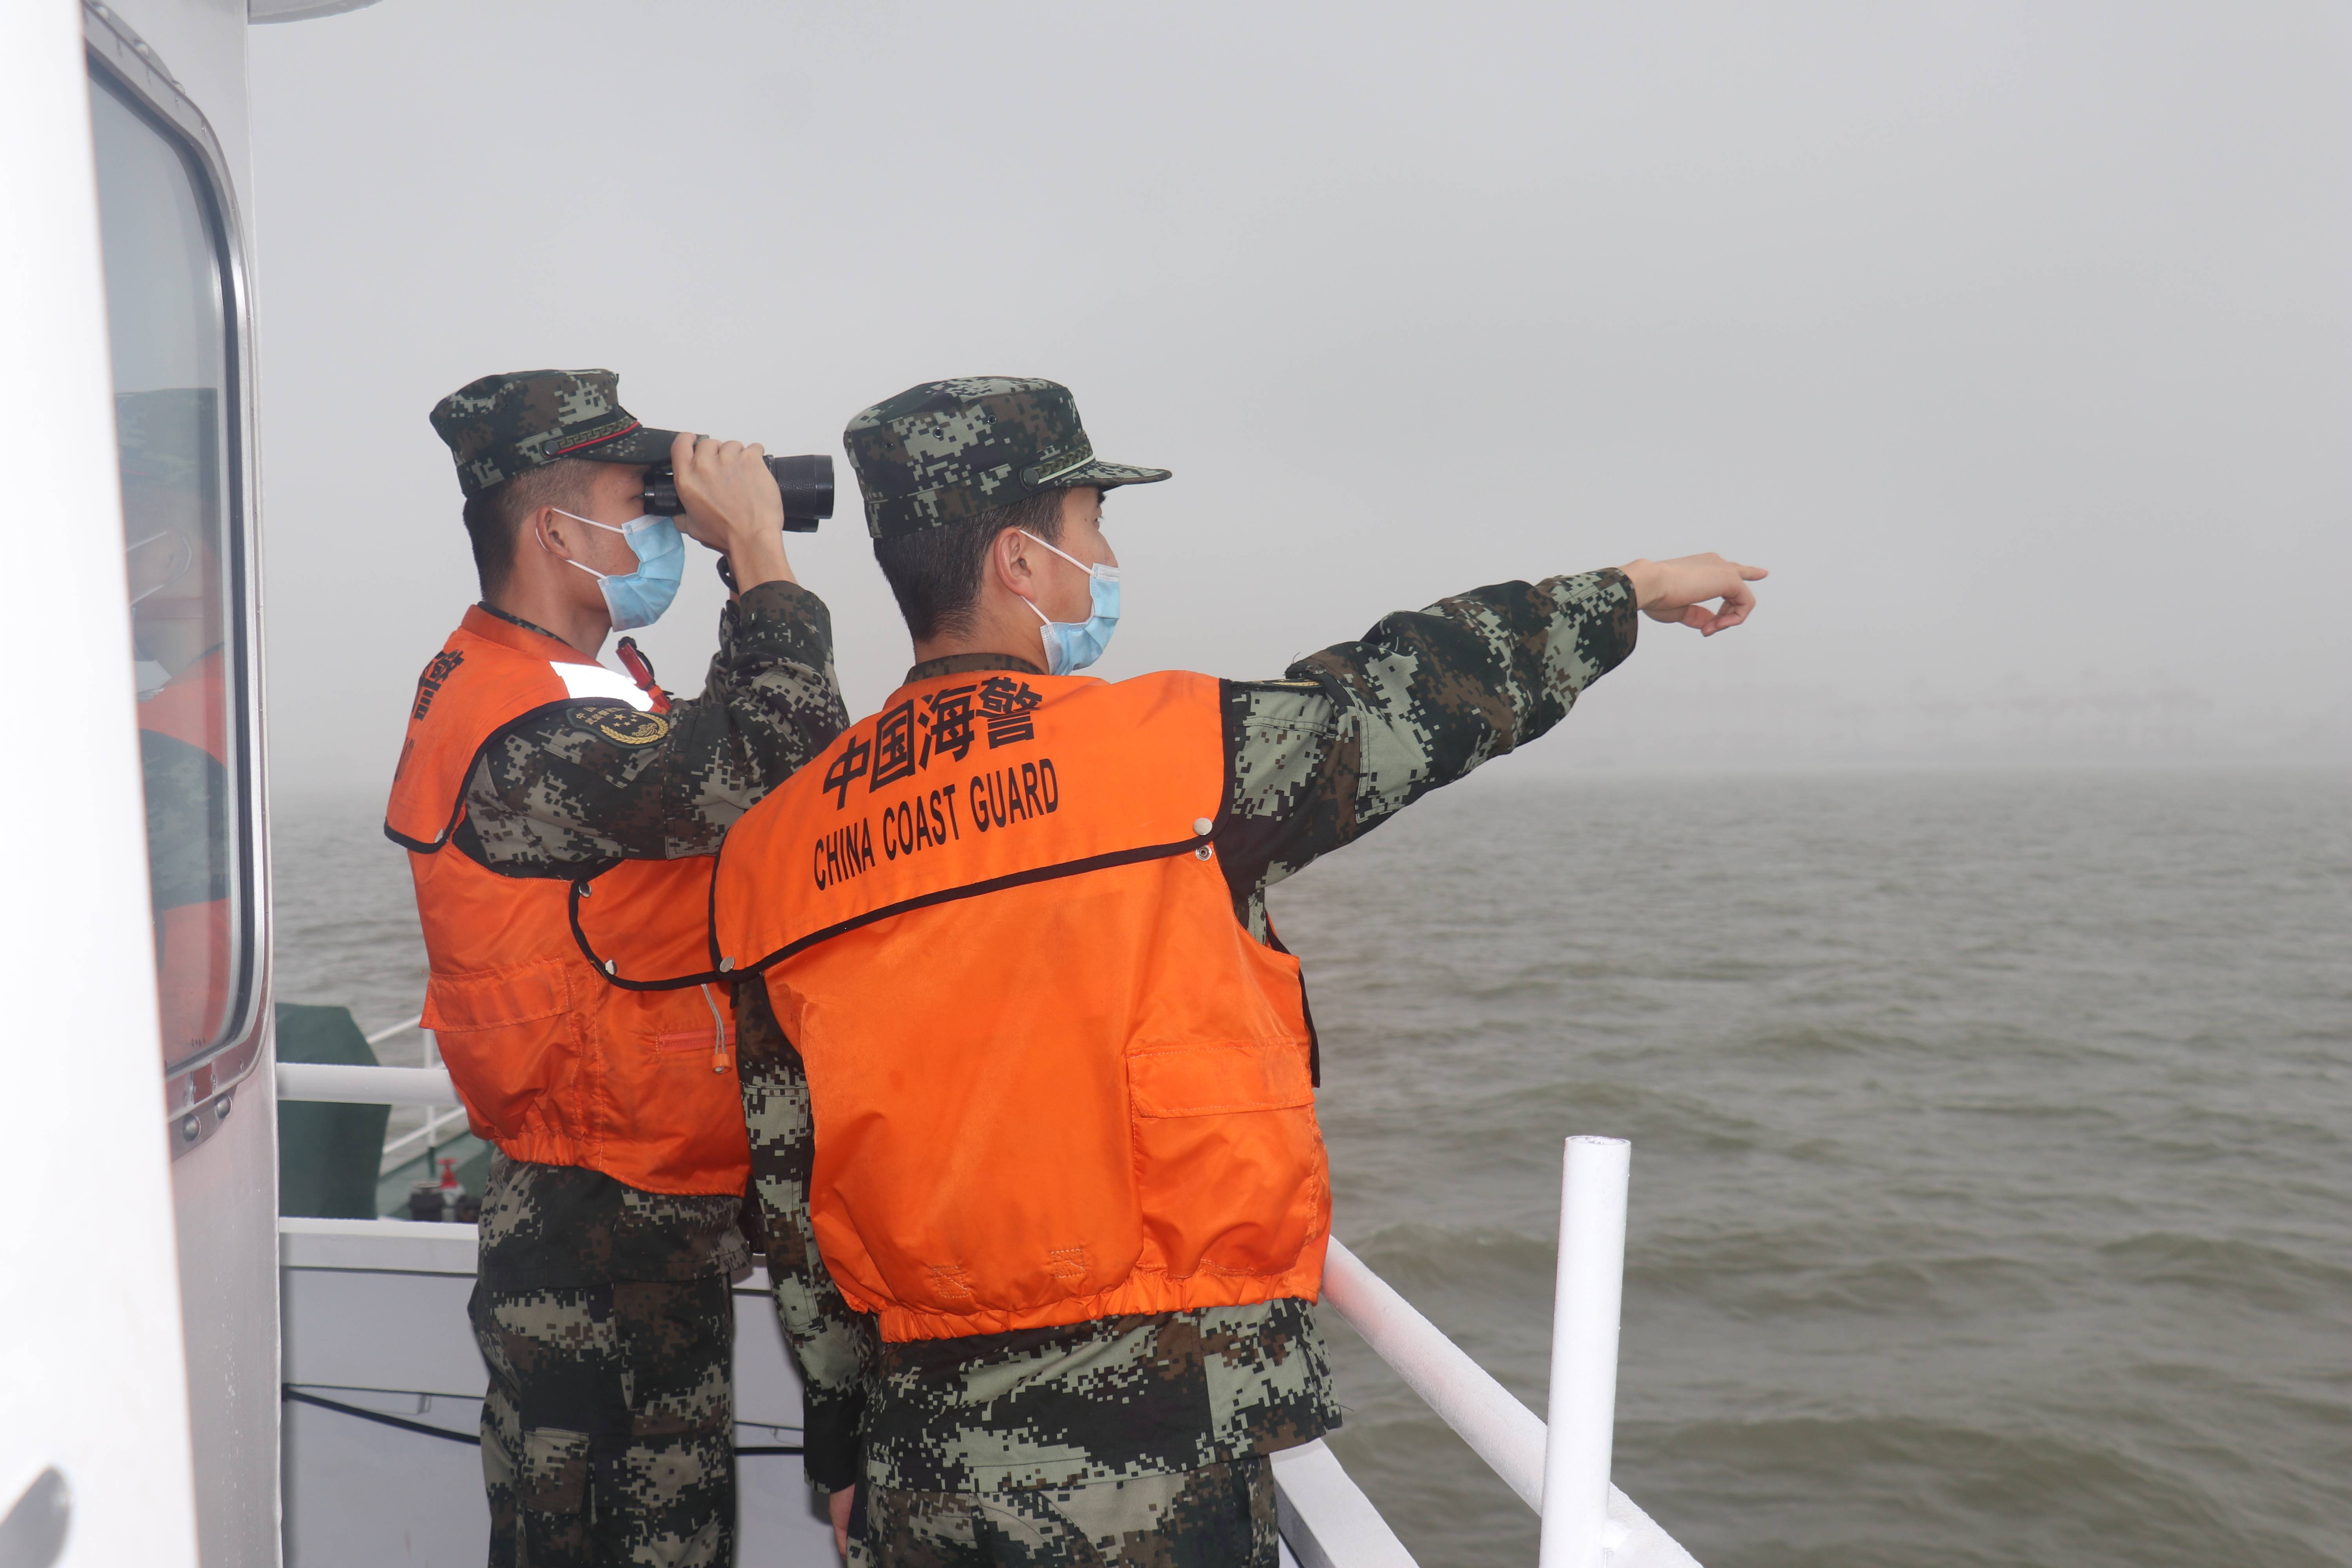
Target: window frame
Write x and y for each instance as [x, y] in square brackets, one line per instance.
[199, 1090]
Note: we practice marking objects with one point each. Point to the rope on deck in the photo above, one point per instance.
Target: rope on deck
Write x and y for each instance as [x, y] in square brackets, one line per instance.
[426, 1428]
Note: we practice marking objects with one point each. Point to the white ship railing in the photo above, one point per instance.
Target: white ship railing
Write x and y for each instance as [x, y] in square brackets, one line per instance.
[1559, 1469]
[443, 1115]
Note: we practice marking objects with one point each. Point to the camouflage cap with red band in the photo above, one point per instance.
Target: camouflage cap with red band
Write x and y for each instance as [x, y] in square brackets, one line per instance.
[948, 450]
[502, 425]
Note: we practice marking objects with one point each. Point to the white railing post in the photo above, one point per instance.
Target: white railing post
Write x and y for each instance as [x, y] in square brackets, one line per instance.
[1561, 1468]
[1588, 1294]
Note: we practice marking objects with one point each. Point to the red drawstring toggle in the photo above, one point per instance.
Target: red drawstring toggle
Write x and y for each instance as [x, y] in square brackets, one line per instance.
[641, 670]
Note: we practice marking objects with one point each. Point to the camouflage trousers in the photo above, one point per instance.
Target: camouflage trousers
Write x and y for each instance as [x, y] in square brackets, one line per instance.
[608, 1435]
[1221, 1516]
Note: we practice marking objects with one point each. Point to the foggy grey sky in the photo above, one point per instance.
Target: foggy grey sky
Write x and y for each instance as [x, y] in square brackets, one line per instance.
[2014, 338]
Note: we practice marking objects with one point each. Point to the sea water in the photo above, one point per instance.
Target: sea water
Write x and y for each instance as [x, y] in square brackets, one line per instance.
[1992, 1143]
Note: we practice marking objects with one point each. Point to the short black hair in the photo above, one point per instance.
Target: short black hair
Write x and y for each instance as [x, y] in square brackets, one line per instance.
[494, 516]
[935, 571]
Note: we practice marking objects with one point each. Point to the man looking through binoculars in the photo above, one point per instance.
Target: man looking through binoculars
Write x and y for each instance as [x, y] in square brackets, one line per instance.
[540, 793]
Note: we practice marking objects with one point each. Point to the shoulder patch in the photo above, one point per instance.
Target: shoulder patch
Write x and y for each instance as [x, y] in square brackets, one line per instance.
[622, 725]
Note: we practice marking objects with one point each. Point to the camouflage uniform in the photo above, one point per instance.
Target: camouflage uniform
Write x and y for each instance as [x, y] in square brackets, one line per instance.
[609, 1433]
[604, 1311]
[1212, 1517]
[1108, 1441]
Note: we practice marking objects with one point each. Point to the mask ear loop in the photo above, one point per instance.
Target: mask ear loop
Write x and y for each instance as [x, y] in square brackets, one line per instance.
[1063, 554]
[1042, 616]
[591, 522]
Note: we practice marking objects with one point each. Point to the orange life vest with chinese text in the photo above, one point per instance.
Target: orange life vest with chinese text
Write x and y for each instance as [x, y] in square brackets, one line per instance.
[1054, 1078]
[559, 1063]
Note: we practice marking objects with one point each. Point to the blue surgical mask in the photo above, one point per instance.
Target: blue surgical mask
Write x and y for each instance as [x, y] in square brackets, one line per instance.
[1074, 645]
[638, 598]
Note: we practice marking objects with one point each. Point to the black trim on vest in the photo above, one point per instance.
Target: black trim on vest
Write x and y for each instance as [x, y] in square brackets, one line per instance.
[712, 976]
[973, 890]
[1234, 706]
[458, 812]
[1306, 1009]
[710, 907]
[490, 609]
[1231, 735]
[414, 845]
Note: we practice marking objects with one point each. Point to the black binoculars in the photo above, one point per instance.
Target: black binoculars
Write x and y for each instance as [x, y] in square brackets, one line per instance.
[805, 482]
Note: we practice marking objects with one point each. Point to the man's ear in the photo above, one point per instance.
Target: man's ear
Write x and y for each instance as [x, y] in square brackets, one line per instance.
[1008, 559]
[545, 530]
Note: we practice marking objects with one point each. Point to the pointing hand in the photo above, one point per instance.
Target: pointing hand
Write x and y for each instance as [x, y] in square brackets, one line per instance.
[1677, 591]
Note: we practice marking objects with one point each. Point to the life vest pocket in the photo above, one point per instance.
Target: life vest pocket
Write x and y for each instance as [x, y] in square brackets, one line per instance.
[1194, 1080]
[507, 1039]
[493, 998]
[660, 1084]
[1230, 1156]
[702, 1040]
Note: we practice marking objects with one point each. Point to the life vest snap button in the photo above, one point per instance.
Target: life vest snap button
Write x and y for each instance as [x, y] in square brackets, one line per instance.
[1201, 824]
[1201, 853]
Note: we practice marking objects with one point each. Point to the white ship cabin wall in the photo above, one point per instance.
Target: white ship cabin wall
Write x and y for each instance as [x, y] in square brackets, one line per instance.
[130, 348]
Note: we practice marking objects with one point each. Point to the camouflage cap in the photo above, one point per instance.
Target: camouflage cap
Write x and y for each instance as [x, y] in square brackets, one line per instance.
[948, 450]
[502, 425]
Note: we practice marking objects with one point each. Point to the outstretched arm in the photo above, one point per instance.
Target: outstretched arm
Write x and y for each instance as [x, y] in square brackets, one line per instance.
[1362, 730]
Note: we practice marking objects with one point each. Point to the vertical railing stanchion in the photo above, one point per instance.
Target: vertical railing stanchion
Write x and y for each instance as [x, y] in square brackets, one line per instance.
[1588, 1292]
[1558, 1469]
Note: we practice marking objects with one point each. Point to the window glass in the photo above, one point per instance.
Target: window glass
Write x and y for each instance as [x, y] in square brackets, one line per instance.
[169, 325]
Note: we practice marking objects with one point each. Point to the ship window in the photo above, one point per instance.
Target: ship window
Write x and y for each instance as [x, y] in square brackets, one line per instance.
[169, 315]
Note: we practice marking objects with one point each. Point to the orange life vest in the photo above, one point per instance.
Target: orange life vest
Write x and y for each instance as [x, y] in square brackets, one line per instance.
[192, 940]
[557, 1062]
[1054, 1078]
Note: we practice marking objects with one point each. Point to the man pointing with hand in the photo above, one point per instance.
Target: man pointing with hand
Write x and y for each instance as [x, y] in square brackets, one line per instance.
[1029, 1076]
